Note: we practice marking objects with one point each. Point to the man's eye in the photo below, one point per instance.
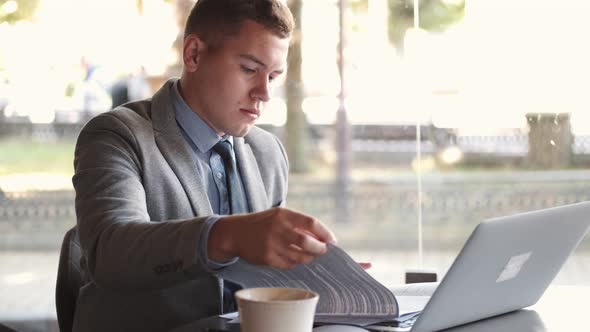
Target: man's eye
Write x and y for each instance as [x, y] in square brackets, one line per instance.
[248, 70]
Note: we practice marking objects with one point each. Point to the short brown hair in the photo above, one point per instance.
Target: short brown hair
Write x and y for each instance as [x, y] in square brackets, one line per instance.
[212, 20]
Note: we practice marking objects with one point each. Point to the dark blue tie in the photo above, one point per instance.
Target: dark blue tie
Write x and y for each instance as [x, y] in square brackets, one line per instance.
[237, 203]
[235, 191]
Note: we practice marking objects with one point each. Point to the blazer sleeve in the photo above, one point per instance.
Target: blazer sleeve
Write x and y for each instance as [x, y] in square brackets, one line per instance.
[123, 248]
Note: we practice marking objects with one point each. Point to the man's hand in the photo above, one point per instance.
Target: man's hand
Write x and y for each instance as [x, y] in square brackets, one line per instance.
[278, 237]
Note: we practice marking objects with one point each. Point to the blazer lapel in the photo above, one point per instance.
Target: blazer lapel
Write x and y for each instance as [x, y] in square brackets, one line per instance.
[176, 151]
[250, 173]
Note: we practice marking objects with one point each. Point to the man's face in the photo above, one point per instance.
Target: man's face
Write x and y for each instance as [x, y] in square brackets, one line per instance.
[232, 84]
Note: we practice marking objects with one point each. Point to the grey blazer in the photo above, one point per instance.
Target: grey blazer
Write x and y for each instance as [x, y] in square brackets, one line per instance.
[140, 212]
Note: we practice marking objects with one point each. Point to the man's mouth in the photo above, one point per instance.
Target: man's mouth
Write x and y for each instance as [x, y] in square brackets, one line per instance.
[254, 113]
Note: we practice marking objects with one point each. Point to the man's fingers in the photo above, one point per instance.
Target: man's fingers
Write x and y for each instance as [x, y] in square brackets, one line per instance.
[281, 261]
[315, 228]
[287, 238]
[289, 258]
[298, 256]
[305, 242]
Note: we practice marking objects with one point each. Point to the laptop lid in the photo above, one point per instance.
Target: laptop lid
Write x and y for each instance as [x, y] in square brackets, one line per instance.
[506, 264]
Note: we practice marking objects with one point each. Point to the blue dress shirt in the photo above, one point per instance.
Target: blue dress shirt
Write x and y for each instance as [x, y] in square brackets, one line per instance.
[209, 166]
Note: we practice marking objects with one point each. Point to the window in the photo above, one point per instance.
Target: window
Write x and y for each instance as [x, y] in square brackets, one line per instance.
[476, 109]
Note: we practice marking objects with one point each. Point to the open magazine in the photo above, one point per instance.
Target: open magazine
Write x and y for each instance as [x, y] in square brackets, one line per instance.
[348, 294]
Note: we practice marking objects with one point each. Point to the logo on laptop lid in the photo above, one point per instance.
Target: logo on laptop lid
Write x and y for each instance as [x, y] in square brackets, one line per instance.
[512, 269]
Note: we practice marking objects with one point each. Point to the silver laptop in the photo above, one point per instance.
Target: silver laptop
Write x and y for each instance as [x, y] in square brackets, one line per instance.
[506, 264]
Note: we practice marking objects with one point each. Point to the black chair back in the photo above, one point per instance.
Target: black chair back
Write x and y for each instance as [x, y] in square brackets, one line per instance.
[70, 278]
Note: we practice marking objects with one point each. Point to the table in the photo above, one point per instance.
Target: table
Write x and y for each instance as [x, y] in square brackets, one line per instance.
[561, 309]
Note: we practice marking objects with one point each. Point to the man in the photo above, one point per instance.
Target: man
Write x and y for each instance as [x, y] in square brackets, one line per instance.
[157, 200]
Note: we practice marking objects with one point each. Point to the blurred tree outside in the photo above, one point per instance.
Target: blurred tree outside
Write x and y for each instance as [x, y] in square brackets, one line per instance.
[139, 5]
[296, 126]
[12, 11]
[435, 16]
[182, 9]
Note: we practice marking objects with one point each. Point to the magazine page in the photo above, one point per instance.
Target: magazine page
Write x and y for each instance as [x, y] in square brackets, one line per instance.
[348, 294]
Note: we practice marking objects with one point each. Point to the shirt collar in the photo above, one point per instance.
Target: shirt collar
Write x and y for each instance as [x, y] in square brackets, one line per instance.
[203, 136]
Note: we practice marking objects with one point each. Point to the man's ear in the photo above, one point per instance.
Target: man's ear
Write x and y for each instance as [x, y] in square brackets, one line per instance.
[192, 51]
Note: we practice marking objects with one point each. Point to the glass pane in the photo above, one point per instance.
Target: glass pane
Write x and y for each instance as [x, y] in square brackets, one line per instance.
[509, 88]
[48, 89]
[497, 93]
[373, 207]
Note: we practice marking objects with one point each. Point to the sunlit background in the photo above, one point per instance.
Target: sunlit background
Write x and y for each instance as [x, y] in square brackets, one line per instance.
[471, 109]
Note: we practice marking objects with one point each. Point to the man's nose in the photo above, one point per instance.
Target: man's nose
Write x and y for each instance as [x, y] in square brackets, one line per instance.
[262, 91]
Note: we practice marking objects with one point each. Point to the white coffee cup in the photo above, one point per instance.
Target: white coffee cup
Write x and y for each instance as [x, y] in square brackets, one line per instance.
[276, 309]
